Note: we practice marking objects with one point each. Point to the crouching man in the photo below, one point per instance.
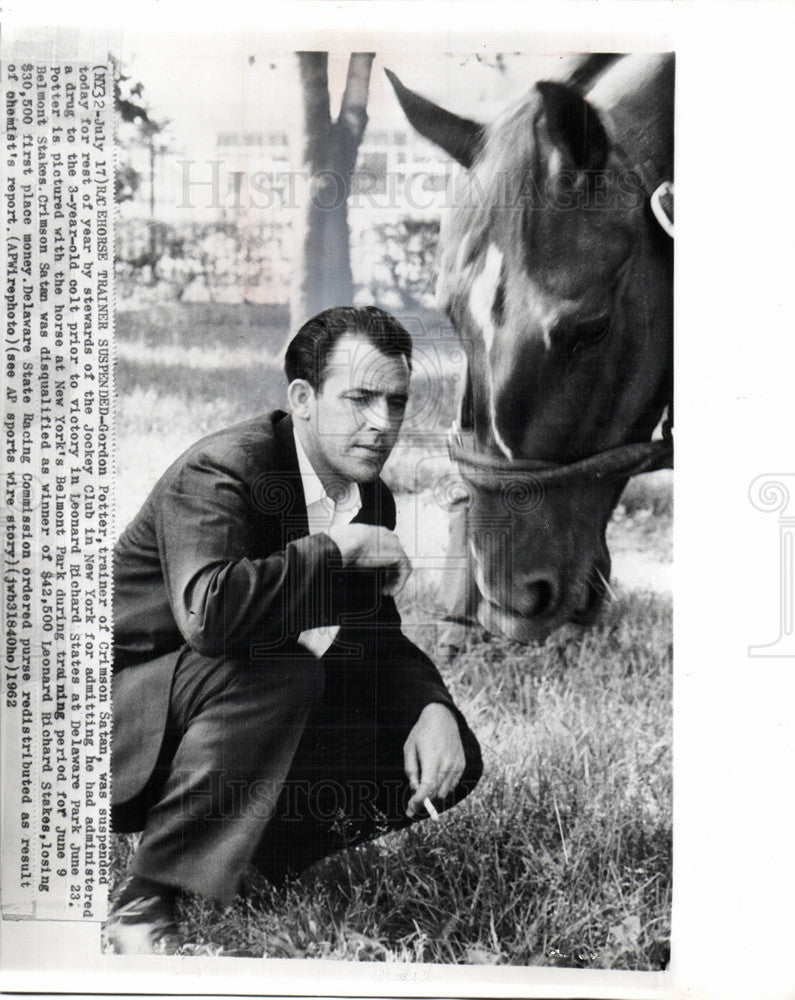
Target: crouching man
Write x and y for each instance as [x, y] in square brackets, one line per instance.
[268, 709]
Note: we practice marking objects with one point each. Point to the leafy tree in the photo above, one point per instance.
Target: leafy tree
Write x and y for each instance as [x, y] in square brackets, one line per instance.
[131, 111]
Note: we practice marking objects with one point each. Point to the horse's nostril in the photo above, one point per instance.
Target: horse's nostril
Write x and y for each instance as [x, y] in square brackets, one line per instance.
[544, 596]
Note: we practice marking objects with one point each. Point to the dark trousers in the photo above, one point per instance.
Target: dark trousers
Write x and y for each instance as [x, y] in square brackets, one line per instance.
[277, 764]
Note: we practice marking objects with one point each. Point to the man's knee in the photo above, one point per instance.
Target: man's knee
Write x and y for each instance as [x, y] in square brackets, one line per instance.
[262, 705]
[292, 682]
[301, 679]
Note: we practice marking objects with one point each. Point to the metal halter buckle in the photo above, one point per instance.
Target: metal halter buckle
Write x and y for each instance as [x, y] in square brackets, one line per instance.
[662, 205]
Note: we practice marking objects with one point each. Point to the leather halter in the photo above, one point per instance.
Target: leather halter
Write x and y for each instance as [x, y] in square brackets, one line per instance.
[491, 473]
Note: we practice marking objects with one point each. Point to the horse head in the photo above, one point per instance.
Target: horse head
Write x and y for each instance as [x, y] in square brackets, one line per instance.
[558, 279]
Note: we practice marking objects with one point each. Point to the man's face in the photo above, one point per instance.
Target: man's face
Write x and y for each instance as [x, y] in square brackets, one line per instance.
[353, 421]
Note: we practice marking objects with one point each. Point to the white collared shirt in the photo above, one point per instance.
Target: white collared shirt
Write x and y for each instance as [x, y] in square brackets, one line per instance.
[322, 512]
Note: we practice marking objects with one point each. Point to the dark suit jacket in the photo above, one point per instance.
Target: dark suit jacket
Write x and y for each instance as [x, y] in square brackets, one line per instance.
[220, 557]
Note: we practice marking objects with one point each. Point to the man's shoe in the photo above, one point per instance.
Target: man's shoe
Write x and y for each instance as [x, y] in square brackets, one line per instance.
[143, 925]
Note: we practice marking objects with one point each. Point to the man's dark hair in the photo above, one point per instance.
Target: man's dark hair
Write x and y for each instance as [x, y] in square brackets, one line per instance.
[309, 350]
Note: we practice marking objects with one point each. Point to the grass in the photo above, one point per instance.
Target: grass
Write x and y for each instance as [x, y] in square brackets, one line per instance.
[562, 855]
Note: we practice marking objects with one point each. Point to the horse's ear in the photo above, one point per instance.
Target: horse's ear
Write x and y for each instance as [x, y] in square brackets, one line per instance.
[459, 137]
[574, 125]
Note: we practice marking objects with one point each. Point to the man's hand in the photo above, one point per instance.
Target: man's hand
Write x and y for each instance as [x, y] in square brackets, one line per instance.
[373, 547]
[433, 756]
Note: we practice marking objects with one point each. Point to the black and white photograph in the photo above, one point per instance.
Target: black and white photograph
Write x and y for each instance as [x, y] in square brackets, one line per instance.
[545, 235]
[343, 628]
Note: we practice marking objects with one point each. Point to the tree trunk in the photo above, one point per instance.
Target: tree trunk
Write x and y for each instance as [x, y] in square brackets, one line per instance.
[323, 266]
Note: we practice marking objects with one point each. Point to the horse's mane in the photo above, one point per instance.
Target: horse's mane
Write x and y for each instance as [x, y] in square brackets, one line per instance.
[504, 175]
[509, 163]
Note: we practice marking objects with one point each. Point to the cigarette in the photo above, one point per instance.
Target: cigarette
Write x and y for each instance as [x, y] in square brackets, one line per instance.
[431, 809]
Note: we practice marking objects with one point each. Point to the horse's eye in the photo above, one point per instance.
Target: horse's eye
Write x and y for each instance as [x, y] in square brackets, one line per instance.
[587, 332]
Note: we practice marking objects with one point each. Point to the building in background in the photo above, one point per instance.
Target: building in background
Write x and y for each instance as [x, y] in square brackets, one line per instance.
[225, 222]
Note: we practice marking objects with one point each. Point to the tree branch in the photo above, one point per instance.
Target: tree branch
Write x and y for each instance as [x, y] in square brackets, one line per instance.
[313, 69]
[353, 109]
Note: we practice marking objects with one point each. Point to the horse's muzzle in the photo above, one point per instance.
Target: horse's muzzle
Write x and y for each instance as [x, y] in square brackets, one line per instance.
[544, 607]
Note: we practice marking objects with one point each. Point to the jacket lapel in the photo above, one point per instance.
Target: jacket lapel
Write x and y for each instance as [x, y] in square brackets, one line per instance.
[286, 485]
[369, 512]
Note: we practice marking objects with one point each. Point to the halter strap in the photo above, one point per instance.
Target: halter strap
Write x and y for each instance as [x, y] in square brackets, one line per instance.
[657, 186]
[623, 462]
